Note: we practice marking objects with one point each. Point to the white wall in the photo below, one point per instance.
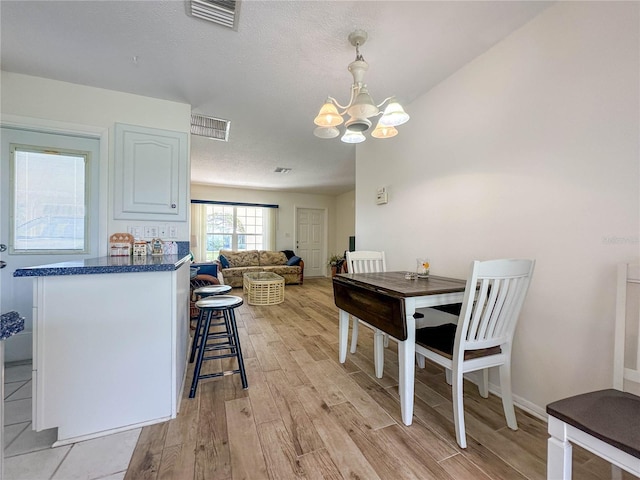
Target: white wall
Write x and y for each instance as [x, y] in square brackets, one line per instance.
[41, 102]
[288, 202]
[345, 220]
[531, 150]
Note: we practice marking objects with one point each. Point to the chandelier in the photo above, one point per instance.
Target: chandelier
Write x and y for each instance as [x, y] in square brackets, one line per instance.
[361, 108]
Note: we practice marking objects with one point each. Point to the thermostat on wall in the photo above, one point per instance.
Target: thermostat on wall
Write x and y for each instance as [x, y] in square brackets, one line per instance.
[381, 196]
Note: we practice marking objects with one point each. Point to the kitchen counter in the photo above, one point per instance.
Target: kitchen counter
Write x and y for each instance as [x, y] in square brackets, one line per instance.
[110, 343]
[10, 324]
[100, 265]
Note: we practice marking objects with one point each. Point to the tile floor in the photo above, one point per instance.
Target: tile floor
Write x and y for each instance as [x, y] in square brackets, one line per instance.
[29, 455]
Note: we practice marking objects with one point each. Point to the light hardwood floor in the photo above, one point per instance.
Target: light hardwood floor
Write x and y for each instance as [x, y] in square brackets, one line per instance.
[306, 416]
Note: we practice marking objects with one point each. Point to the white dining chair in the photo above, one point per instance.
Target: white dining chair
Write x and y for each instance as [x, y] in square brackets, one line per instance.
[365, 261]
[605, 422]
[481, 336]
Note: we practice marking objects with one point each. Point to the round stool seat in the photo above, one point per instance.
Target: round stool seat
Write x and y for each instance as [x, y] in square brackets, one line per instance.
[219, 302]
[212, 290]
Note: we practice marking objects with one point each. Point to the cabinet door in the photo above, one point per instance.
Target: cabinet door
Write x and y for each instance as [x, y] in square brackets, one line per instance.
[150, 174]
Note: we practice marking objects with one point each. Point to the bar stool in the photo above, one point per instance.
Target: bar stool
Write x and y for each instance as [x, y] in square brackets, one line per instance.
[220, 340]
[204, 292]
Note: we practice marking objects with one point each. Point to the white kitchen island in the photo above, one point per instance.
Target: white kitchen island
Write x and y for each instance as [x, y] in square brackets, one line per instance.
[110, 343]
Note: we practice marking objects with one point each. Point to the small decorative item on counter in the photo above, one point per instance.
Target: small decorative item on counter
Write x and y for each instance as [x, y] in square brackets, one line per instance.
[170, 248]
[120, 245]
[422, 268]
[156, 247]
[140, 248]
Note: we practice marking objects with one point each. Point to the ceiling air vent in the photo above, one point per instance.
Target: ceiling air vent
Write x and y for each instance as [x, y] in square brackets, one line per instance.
[210, 127]
[222, 12]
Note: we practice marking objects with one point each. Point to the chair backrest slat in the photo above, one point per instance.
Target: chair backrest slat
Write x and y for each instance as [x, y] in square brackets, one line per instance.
[626, 365]
[364, 261]
[494, 296]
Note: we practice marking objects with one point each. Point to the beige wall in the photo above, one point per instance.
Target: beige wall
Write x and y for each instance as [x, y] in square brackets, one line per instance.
[345, 220]
[531, 150]
[52, 105]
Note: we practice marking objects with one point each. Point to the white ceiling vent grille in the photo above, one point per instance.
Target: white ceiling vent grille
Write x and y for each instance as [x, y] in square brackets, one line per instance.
[222, 12]
[210, 127]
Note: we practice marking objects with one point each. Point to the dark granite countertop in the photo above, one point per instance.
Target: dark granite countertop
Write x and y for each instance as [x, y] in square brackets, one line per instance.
[10, 324]
[102, 265]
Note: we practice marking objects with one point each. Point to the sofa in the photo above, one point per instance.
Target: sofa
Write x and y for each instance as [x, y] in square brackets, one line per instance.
[234, 264]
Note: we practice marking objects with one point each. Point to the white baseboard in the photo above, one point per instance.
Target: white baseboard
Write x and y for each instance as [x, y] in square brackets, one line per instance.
[518, 401]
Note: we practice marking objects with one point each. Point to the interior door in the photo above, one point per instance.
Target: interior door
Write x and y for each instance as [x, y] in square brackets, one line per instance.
[16, 293]
[310, 241]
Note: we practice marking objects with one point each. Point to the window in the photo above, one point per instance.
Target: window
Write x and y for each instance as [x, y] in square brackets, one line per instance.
[218, 227]
[49, 200]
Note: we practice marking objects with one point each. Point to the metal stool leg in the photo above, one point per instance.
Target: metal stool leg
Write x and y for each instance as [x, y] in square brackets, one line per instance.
[196, 372]
[238, 349]
[196, 337]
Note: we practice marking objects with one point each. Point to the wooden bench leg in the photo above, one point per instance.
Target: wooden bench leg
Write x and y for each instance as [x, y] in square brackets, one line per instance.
[559, 452]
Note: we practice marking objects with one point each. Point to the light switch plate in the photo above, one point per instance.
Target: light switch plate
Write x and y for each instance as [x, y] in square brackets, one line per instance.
[173, 232]
[136, 231]
[151, 232]
[163, 231]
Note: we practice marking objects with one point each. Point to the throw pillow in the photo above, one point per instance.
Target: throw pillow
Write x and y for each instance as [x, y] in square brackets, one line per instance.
[288, 253]
[207, 268]
[223, 261]
[295, 260]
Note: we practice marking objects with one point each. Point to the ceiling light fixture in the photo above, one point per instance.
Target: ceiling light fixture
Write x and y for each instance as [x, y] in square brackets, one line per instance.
[360, 108]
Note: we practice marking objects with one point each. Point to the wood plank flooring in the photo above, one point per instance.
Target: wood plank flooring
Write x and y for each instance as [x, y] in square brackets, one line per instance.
[306, 416]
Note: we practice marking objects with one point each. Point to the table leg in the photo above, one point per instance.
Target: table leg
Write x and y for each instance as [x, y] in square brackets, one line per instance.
[343, 335]
[406, 369]
[378, 352]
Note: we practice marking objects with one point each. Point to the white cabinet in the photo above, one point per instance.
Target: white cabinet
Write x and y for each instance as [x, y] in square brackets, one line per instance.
[150, 174]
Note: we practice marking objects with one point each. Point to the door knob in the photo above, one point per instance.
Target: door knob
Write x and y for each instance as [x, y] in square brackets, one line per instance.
[3, 247]
[3, 264]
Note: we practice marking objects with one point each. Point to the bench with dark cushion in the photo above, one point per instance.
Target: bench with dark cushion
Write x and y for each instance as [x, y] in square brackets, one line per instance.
[605, 422]
[609, 415]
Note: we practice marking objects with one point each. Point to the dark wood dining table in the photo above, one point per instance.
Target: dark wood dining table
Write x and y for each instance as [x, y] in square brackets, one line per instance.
[388, 301]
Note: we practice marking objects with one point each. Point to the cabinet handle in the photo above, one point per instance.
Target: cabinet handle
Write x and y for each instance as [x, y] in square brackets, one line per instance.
[173, 205]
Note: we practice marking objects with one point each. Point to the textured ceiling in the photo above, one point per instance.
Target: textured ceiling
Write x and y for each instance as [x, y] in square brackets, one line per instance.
[268, 78]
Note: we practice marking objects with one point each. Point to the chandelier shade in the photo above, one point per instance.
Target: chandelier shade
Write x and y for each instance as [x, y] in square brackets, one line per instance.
[326, 132]
[328, 116]
[383, 131]
[394, 115]
[361, 107]
[351, 136]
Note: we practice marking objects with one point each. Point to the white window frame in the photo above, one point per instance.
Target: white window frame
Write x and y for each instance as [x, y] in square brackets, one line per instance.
[235, 234]
[199, 234]
[12, 202]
